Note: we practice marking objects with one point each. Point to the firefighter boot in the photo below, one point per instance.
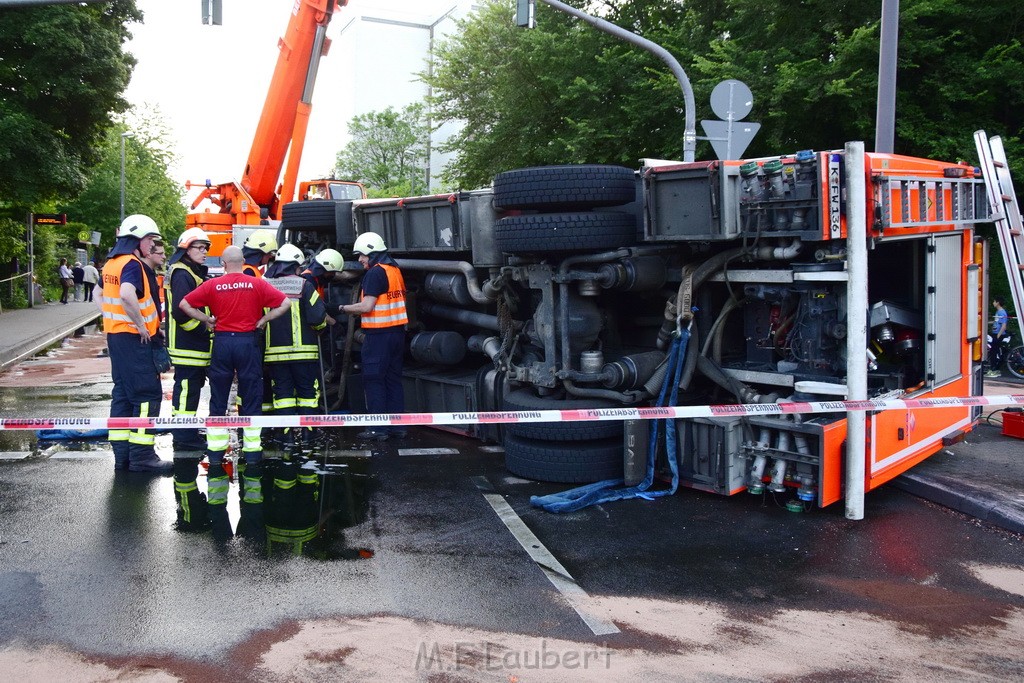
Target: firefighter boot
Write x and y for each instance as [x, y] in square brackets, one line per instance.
[307, 440]
[218, 502]
[120, 448]
[192, 513]
[251, 525]
[187, 440]
[299, 446]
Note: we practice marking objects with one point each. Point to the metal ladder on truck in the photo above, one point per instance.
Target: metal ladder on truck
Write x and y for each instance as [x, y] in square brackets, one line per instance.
[1005, 212]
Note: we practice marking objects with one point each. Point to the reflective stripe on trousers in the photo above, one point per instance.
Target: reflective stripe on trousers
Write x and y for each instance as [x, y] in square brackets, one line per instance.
[217, 440]
[253, 487]
[217, 491]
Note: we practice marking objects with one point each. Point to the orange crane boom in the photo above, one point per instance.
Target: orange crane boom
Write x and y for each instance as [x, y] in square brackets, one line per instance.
[281, 130]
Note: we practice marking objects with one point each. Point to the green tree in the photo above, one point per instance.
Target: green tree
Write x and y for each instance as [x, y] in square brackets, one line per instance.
[63, 70]
[388, 152]
[561, 93]
[149, 188]
[566, 92]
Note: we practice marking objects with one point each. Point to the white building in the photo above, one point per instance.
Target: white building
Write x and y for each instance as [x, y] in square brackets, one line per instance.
[384, 47]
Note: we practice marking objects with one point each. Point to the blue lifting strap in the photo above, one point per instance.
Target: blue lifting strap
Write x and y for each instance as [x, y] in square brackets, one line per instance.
[605, 491]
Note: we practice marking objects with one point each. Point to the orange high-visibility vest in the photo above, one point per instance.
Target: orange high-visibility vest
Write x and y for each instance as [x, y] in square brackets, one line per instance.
[389, 310]
[115, 318]
[160, 290]
[250, 269]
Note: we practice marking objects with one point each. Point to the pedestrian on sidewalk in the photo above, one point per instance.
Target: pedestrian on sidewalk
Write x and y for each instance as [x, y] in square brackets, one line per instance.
[78, 276]
[236, 302]
[997, 337]
[90, 276]
[131, 321]
[67, 281]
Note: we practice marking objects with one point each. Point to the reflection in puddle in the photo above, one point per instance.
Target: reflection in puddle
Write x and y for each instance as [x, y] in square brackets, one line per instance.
[303, 505]
[307, 502]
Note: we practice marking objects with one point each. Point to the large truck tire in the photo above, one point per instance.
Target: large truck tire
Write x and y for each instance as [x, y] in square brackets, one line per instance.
[321, 216]
[568, 462]
[552, 188]
[558, 232]
[524, 400]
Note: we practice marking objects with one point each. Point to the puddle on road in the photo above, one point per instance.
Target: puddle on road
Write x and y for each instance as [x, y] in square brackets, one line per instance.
[318, 509]
[307, 504]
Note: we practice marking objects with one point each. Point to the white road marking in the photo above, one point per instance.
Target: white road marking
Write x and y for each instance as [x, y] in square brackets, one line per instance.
[347, 454]
[559, 577]
[22, 455]
[428, 451]
[492, 449]
[81, 455]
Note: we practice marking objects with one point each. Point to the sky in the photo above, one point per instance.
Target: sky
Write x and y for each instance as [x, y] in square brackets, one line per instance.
[209, 82]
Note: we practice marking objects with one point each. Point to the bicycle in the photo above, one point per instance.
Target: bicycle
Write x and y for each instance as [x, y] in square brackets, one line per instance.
[1015, 361]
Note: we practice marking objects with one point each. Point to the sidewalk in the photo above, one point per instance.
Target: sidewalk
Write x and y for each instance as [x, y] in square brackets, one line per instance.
[26, 332]
[983, 476]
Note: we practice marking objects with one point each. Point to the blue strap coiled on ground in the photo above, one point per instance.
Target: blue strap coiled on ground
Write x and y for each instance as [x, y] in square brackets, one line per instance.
[605, 491]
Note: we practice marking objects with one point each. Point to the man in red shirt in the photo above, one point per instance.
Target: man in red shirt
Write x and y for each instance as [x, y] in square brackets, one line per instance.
[236, 302]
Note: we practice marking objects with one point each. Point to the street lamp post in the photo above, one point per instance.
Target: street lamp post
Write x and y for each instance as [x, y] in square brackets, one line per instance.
[124, 135]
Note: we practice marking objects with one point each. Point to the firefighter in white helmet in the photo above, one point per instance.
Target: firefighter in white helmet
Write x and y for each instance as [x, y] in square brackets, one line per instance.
[383, 319]
[258, 251]
[323, 269]
[292, 350]
[130, 303]
[190, 345]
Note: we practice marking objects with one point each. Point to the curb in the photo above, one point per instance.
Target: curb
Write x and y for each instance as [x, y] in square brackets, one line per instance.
[30, 347]
[970, 501]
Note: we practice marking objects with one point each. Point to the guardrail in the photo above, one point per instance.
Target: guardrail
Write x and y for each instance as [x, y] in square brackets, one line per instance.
[11, 280]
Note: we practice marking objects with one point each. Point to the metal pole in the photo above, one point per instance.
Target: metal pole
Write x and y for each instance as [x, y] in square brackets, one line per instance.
[856, 326]
[690, 131]
[885, 112]
[430, 90]
[30, 288]
[124, 135]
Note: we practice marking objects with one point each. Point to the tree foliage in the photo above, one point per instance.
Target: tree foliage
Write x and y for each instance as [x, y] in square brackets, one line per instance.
[148, 186]
[388, 151]
[566, 92]
[62, 74]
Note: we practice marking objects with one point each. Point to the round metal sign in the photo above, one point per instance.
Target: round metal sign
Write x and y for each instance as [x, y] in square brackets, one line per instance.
[731, 100]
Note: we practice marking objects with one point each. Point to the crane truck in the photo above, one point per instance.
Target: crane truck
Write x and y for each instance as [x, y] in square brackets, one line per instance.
[257, 199]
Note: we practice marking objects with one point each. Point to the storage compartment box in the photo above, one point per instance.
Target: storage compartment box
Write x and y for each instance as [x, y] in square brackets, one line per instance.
[691, 201]
[1013, 424]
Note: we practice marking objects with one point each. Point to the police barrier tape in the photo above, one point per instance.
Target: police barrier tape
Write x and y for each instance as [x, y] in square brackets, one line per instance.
[471, 418]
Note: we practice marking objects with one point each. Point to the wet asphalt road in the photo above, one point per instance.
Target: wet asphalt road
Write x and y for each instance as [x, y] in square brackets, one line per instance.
[698, 587]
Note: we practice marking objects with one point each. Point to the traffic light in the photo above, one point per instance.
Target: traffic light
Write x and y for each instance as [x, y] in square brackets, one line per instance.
[524, 13]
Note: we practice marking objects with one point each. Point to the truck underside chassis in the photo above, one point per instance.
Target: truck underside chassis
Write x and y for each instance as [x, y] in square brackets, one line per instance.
[563, 288]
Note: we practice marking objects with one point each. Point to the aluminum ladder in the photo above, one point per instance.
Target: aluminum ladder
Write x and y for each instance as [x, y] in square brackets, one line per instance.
[1005, 211]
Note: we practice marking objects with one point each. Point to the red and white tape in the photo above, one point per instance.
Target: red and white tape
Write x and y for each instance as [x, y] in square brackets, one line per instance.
[414, 419]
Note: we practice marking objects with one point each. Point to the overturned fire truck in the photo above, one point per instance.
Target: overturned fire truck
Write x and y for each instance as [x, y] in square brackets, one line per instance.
[562, 288]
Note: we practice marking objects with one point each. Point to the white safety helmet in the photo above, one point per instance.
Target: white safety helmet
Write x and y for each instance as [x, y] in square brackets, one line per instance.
[138, 225]
[289, 253]
[369, 243]
[262, 240]
[331, 260]
[191, 236]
